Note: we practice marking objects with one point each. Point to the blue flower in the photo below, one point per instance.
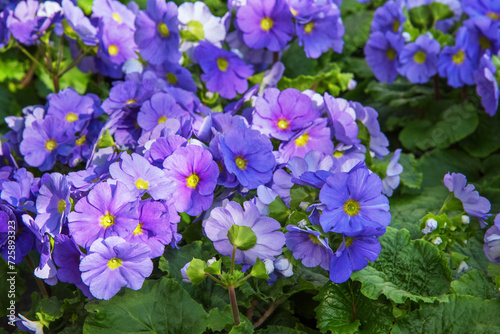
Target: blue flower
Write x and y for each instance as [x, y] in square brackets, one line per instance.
[419, 60]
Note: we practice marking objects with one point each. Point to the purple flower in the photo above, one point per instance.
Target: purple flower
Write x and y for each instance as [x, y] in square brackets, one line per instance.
[112, 10]
[283, 114]
[304, 10]
[157, 32]
[4, 31]
[483, 8]
[391, 179]
[269, 241]
[486, 84]
[18, 193]
[316, 137]
[353, 255]
[158, 109]
[156, 227]
[389, 17]
[492, 241]
[24, 24]
[12, 225]
[418, 60]
[75, 109]
[475, 205]
[52, 204]
[483, 36]
[309, 246]
[175, 74]
[368, 116]
[322, 32]
[161, 148]
[106, 211]
[223, 71]
[116, 43]
[455, 62]
[265, 24]
[342, 119]
[140, 177]
[113, 263]
[43, 141]
[354, 203]
[194, 174]
[248, 154]
[79, 23]
[381, 53]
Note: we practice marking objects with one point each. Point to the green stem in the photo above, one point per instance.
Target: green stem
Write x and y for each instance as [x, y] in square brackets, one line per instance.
[73, 64]
[243, 279]
[33, 59]
[60, 52]
[234, 305]
[215, 279]
[39, 282]
[450, 196]
[232, 259]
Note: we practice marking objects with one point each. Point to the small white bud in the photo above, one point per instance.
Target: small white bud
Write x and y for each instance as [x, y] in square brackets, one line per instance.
[269, 266]
[430, 225]
[465, 220]
[288, 272]
[437, 241]
[352, 84]
[281, 263]
[211, 261]
[406, 36]
[302, 223]
[462, 267]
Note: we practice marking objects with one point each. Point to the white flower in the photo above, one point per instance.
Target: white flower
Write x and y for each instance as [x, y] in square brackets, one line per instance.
[462, 267]
[465, 220]
[437, 241]
[430, 225]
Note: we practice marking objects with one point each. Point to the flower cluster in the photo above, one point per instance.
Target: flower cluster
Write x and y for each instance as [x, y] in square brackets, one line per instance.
[412, 49]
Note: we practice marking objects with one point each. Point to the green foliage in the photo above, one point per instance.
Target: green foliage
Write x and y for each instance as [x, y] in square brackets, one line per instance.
[259, 270]
[406, 269]
[462, 314]
[161, 306]
[411, 177]
[344, 309]
[475, 284]
[486, 139]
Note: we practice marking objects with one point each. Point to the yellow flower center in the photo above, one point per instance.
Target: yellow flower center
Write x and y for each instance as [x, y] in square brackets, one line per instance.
[141, 184]
[192, 181]
[459, 57]
[71, 117]
[107, 220]
[348, 241]
[172, 78]
[50, 145]
[61, 206]
[294, 12]
[163, 29]
[138, 230]
[130, 101]
[315, 239]
[395, 26]
[308, 28]
[391, 54]
[338, 154]
[241, 163]
[493, 16]
[113, 50]
[80, 141]
[266, 23]
[302, 140]
[162, 119]
[352, 207]
[484, 43]
[419, 57]
[283, 124]
[114, 263]
[222, 64]
[117, 17]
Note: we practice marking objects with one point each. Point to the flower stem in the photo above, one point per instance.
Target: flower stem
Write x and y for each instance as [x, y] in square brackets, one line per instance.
[266, 315]
[450, 196]
[232, 259]
[33, 59]
[39, 282]
[234, 305]
[436, 88]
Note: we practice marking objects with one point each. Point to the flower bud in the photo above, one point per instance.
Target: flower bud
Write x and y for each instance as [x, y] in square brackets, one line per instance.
[430, 225]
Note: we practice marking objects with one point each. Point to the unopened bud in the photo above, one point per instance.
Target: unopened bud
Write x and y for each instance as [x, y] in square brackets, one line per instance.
[437, 241]
[430, 225]
[465, 220]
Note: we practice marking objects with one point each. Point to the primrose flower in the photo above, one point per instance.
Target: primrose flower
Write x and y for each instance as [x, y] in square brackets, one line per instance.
[25, 239]
[194, 174]
[262, 238]
[248, 154]
[308, 245]
[158, 109]
[486, 84]
[52, 204]
[389, 17]
[492, 242]
[342, 118]
[106, 211]
[79, 23]
[354, 203]
[112, 10]
[455, 62]
[117, 44]
[381, 51]
[265, 24]
[18, 193]
[475, 205]
[175, 75]
[419, 60]
[393, 170]
[113, 263]
[223, 71]
[283, 114]
[157, 32]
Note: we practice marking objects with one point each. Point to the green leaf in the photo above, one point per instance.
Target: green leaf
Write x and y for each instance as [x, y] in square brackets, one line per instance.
[476, 284]
[486, 139]
[259, 270]
[280, 330]
[411, 177]
[357, 30]
[474, 250]
[421, 17]
[245, 327]
[453, 125]
[242, 237]
[194, 33]
[160, 306]
[406, 269]
[400, 93]
[219, 320]
[462, 314]
[344, 309]
[440, 11]
[278, 210]
[106, 140]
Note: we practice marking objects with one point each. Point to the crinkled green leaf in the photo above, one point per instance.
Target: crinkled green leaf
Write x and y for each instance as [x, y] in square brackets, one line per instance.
[476, 284]
[406, 269]
[218, 320]
[462, 314]
[357, 30]
[453, 125]
[400, 93]
[344, 309]
[486, 139]
[161, 306]
[411, 177]
[474, 250]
